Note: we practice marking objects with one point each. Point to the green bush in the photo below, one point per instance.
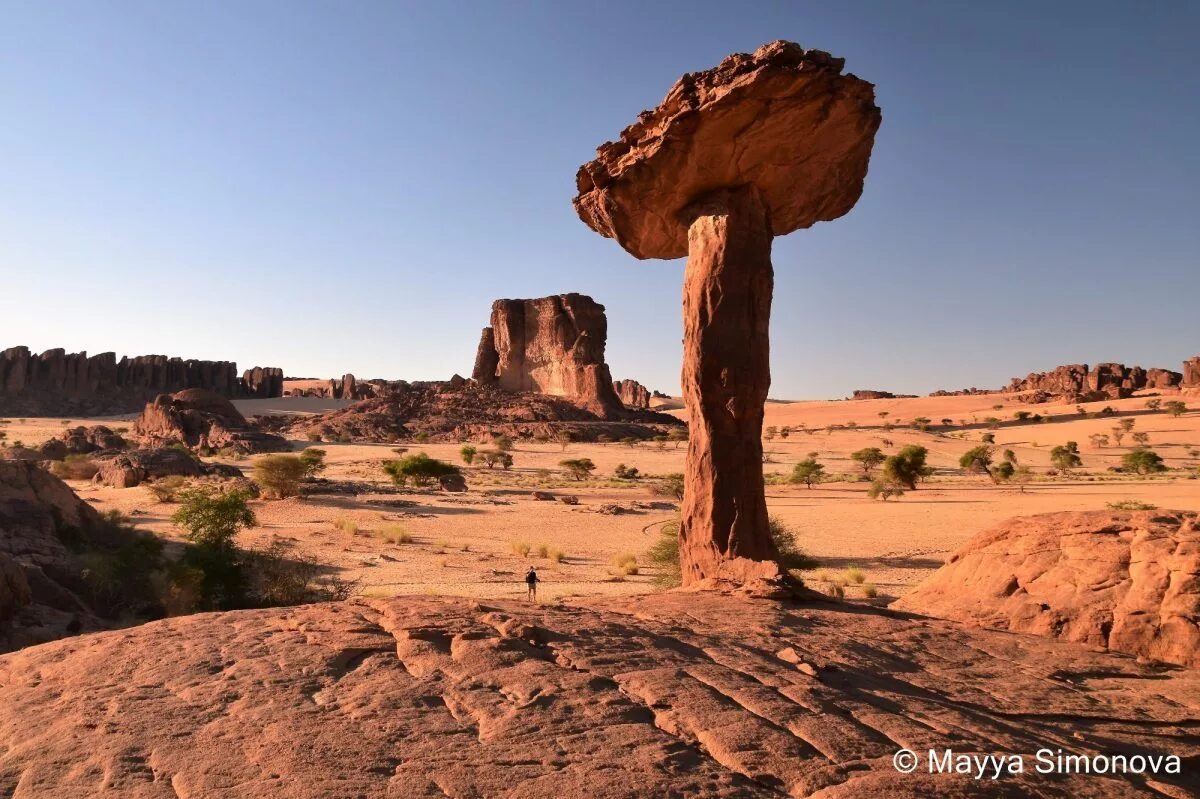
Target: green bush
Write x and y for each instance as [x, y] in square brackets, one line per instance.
[907, 467]
[868, 458]
[280, 475]
[1066, 456]
[313, 460]
[167, 489]
[884, 488]
[420, 468]
[977, 459]
[671, 485]
[807, 471]
[578, 468]
[491, 457]
[1143, 461]
[623, 472]
[467, 453]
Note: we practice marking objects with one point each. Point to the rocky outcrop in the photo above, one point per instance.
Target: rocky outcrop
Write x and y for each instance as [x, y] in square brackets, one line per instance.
[82, 441]
[1126, 581]
[550, 345]
[200, 418]
[668, 695]
[137, 466]
[61, 383]
[1191, 373]
[1079, 383]
[54, 549]
[632, 394]
[458, 410]
[870, 393]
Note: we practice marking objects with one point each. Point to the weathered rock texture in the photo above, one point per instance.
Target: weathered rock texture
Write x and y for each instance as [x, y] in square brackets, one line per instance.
[456, 410]
[1127, 581]
[1078, 383]
[82, 441]
[200, 418]
[50, 541]
[753, 120]
[632, 393]
[1191, 372]
[61, 383]
[550, 345]
[759, 146]
[678, 695]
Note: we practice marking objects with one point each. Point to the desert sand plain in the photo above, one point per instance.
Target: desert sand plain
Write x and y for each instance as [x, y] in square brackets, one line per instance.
[463, 544]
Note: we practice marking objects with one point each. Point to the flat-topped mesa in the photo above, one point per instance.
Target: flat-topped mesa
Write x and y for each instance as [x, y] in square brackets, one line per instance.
[549, 345]
[757, 147]
[58, 382]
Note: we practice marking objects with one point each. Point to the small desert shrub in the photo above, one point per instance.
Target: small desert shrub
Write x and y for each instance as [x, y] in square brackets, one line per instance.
[74, 467]
[421, 438]
[280, 475]
[467, 453]
[167, 489]
[313, 459]
[855, 575]
[869, 590]
[347, 526]
[808, 471]
[578, 468]
[394, 534]
[885, 489]
[625, 563]
[521, 548]
[1131, 504]
[558, 556]
[670, 485]
[419, 468]
[623, 472]
[543, 551]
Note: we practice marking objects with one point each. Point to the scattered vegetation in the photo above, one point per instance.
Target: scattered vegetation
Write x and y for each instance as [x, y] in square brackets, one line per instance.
[1066, 456]
[907, 467]
[394, 534]
[623, 472]
[625, 563]
[807, 471]
[670, 485]
[280, 475]
[167, 489]
[868, 458]
[1131, 504]
[421, 469]
[1143, 461]
[313, 460]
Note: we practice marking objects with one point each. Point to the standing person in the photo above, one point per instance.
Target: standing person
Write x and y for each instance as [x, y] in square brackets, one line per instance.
[531, 582]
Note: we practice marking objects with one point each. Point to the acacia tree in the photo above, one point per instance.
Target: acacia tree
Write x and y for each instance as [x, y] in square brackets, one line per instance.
[868, 458]
[1143, 461]
[807, 471]
[907, 466]
[578, 468]
[1176, 407]
[1066, 456]
[977, 459]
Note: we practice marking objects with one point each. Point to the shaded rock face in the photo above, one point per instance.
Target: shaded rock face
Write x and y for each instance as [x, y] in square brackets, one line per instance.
[1126, 581]
[1079, 383]
[632, 393]
[61, 383]
[698, 695]
[550, 345]
[752, 120]
[43, 525]
[199, 418]
[132, 468]
[727, 287]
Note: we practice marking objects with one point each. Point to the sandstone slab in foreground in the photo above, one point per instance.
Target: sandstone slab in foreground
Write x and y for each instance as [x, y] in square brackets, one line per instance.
[1128, 581]
[680, 694]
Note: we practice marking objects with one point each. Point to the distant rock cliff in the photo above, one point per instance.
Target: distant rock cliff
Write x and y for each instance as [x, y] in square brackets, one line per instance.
[550, 345]
[1104, 381]
[61, 383]
[632, 393]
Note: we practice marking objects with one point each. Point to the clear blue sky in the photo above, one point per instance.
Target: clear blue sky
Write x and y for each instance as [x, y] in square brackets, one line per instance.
[335, 187]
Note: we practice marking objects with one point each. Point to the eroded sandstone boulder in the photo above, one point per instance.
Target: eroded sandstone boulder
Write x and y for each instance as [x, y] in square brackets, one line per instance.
[134, 467]
[50, 542]
[1080, 383]
[1191, 373]
[668, 695]
[82, 441]
[1122, 580]
[199, 418]
[549, 345]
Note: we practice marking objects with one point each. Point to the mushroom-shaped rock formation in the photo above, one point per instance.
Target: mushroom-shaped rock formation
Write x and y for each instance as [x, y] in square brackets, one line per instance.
[757, 147]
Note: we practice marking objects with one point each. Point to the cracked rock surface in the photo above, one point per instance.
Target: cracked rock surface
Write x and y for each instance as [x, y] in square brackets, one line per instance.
[679, 694]
[1129, 581]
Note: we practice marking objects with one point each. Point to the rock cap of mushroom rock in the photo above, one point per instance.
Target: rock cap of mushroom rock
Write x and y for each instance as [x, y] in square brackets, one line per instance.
[783, 119]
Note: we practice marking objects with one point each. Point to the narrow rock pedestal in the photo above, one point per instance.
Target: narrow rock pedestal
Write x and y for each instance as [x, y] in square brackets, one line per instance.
[727, 289]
